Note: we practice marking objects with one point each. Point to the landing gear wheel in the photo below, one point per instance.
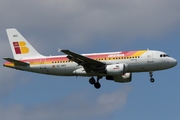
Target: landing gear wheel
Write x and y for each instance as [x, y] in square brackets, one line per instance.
[97, 85]
[152, 80]
[151, 75]
[92, 81]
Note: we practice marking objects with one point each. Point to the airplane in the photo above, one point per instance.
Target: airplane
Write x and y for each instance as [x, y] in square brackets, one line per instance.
[115, 66]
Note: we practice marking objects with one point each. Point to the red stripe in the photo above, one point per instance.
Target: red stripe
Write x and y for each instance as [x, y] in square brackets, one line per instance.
[116, 68]
[131, 53]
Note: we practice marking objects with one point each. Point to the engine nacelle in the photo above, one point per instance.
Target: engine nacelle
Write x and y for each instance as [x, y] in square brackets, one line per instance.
[115, 69]
[120, 78]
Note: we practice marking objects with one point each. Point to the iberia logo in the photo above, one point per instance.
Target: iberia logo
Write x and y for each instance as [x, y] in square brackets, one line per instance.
[20, 47]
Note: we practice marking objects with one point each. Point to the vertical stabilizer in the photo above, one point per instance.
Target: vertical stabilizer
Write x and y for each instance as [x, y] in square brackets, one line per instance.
[20, 47]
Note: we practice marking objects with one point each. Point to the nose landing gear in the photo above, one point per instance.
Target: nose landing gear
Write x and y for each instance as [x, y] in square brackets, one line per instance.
[92, 81]
[151, 74]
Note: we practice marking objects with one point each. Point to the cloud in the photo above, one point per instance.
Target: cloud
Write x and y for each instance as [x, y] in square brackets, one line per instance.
[79, 105]
[74, 23]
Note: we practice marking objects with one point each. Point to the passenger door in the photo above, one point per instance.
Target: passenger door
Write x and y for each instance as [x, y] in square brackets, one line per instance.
[150, 57]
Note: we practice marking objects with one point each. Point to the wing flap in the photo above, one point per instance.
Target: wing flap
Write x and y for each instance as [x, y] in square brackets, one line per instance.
[16, 62]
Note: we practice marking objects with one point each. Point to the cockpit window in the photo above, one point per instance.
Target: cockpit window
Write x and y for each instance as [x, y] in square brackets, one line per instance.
[164, 55]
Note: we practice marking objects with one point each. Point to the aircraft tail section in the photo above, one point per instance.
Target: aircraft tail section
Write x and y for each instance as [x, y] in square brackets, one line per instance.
[20, 47]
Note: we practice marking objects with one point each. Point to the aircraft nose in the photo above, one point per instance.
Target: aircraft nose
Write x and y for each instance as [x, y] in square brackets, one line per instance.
[174, 62]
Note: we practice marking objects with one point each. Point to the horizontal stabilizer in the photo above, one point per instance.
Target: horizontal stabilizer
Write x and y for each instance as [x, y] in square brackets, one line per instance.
[17, 62]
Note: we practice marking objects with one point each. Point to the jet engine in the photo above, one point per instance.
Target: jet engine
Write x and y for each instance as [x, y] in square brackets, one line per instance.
[120, 78]
[115, 69]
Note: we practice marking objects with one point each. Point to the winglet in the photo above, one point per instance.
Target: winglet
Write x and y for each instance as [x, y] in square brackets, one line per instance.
[59, 50]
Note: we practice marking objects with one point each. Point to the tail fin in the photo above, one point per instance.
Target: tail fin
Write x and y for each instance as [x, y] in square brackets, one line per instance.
[20, 47]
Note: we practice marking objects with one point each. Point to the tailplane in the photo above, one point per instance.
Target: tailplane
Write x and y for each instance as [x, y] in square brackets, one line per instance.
[20, 47]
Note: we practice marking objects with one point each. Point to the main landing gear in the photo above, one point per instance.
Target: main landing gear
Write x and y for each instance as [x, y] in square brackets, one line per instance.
[151, 74]
[92, 81]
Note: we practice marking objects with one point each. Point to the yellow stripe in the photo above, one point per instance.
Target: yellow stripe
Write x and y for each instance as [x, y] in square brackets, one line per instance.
[139, 53]
[10, 65]
[38, 63]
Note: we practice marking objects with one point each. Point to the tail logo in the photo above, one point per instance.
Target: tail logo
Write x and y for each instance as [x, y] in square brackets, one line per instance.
[20, 47]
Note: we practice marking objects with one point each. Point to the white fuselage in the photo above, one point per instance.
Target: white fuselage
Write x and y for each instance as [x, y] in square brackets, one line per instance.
[148, 61]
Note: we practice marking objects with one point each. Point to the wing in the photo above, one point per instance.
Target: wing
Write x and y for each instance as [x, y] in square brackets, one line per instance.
[80, 59]
[89, 64]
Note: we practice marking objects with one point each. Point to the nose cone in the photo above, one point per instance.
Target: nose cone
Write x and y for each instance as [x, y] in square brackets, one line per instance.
[173, 62]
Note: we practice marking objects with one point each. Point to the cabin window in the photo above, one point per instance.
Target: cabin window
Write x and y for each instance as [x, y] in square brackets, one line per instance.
[164, 55]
